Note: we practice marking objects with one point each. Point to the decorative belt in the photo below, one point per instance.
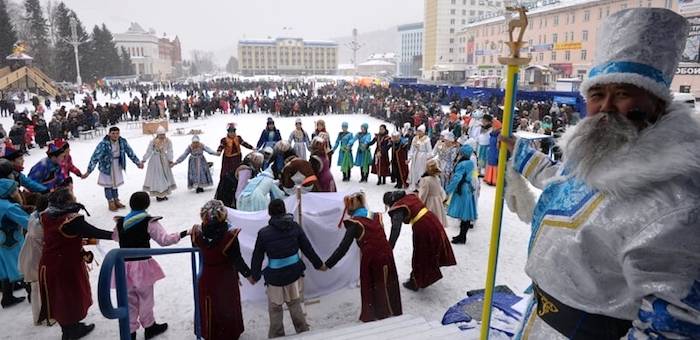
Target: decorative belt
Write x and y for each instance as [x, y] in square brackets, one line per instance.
[418, 216]
[281, 263]
[577, 324]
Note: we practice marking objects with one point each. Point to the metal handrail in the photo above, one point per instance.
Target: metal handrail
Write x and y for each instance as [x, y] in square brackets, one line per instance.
[114, 263]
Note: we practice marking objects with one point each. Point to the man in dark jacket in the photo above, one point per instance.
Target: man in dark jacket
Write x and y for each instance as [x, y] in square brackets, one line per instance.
[281, 241]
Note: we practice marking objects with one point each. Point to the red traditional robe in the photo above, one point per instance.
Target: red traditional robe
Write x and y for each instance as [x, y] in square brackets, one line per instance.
[63, 276]
[379, 283]
[431, 248]
[380, 165]
[219, 296]
[399, 165]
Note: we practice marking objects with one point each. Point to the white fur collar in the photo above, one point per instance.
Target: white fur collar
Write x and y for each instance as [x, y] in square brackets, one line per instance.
[666, 150]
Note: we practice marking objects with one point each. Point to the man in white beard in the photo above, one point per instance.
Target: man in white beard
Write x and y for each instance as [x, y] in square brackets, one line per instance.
[615, 245]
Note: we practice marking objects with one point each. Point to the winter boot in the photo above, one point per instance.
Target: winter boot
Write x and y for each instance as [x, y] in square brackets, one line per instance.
[379, 180]
[199, 190]
[76, 331]
[112, 206]
[118, 204]
[8, 299]
[411, 285]
[462, 237]
[133, 336]
[155, 329]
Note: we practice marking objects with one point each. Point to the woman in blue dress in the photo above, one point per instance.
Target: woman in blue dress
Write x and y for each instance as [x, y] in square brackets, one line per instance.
[462, 187]
[345, 141]
[363, 159]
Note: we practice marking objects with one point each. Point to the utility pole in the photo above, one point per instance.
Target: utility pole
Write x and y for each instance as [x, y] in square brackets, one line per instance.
[355, 46]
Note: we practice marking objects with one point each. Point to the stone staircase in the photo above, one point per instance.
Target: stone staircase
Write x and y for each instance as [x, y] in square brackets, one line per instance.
[404, 327]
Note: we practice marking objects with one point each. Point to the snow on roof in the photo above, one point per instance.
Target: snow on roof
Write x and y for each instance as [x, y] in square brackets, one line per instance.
[274, 41]
[531, 12]
[346, 67]
[376, 63]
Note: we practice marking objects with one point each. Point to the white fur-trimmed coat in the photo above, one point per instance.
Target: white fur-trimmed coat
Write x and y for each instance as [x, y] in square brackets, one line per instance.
[623, 237]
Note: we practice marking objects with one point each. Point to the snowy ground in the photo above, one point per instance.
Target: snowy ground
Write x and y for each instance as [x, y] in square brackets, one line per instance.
[174, 303]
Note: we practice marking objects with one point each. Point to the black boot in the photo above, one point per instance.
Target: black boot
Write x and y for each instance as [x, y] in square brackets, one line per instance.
[133, 336]
[462, 237]
[379, 180]
[156, 329]
[76, 331]
[411, 285]
[199, 190]
[8, 299]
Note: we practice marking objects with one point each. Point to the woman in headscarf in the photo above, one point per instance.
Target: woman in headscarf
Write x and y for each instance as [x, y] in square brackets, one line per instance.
[379, 283]
[219, 295]
[63, 276]
[463, 188]
[159, 180]
[198, 172]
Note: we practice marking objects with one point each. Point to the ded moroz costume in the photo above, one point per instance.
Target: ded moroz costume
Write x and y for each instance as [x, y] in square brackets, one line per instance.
[615, 247]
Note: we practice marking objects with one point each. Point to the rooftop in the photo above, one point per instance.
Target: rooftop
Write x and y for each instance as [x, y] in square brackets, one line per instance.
[274, 41]
[412, 26]
[550, 6]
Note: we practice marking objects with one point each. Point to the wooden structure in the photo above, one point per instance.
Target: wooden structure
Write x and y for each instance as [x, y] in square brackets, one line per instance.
[21, 75]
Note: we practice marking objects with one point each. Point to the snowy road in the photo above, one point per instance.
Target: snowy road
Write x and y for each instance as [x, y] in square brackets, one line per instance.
[174, 302]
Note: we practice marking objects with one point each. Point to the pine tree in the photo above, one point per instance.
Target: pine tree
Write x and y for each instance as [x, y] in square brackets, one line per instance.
[38, 37]
[110, 54]
[8, 36]
[127, 68]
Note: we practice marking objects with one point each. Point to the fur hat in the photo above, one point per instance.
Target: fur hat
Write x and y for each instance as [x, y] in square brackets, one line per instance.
[11, 153]
[195, 139]
[160, 130]
[213, 211]
[7, 187]
[344, 125]
[52, 150]
[640, 47]
[231, 127]
[421, 128]
[297, 121]
[364, 126]
[391, 197]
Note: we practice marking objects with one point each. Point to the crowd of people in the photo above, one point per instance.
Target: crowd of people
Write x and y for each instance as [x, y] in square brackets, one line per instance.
[435, 159]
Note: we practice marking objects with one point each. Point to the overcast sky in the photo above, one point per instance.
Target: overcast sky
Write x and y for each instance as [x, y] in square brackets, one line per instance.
[217, 25]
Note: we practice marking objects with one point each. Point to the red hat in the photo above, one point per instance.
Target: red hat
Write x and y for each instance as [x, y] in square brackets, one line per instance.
[61, 143]
[54, 150]
[11, 153]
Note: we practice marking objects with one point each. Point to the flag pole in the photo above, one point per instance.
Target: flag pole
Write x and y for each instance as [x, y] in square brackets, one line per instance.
[513, 63]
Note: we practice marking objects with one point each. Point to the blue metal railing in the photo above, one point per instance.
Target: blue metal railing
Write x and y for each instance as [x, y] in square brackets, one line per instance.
[114, 263]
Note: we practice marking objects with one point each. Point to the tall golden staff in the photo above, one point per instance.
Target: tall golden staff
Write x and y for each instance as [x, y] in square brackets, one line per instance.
[514, 61]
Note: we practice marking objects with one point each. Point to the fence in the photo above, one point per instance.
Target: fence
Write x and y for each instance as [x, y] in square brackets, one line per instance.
[114, 263]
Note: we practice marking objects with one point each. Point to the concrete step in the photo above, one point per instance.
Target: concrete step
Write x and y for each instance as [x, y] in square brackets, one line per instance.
[400, 327]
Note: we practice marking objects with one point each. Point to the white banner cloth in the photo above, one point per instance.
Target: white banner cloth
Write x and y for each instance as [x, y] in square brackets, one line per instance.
[321, 213]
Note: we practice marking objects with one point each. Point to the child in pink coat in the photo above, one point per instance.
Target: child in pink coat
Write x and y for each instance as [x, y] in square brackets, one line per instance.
[135, 230]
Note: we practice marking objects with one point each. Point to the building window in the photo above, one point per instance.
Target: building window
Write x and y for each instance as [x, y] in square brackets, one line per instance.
[453, 11]
[573, 18]
[567, 55]
[584, 35]
[452, 30]
[600, 13]
[452, 50]
[452, 21]
[473, 2]
[607, 11]
[554, 55]
[464, 12]
[556, 20]
[541, 56]
[554, 38]
[584, 55]
[586, 16]
[572, 37]
[472, 13]
[454, 2]
[668, 4]
[452, 40]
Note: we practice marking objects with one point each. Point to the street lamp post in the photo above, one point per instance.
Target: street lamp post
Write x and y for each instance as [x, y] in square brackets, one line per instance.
[75, 42]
